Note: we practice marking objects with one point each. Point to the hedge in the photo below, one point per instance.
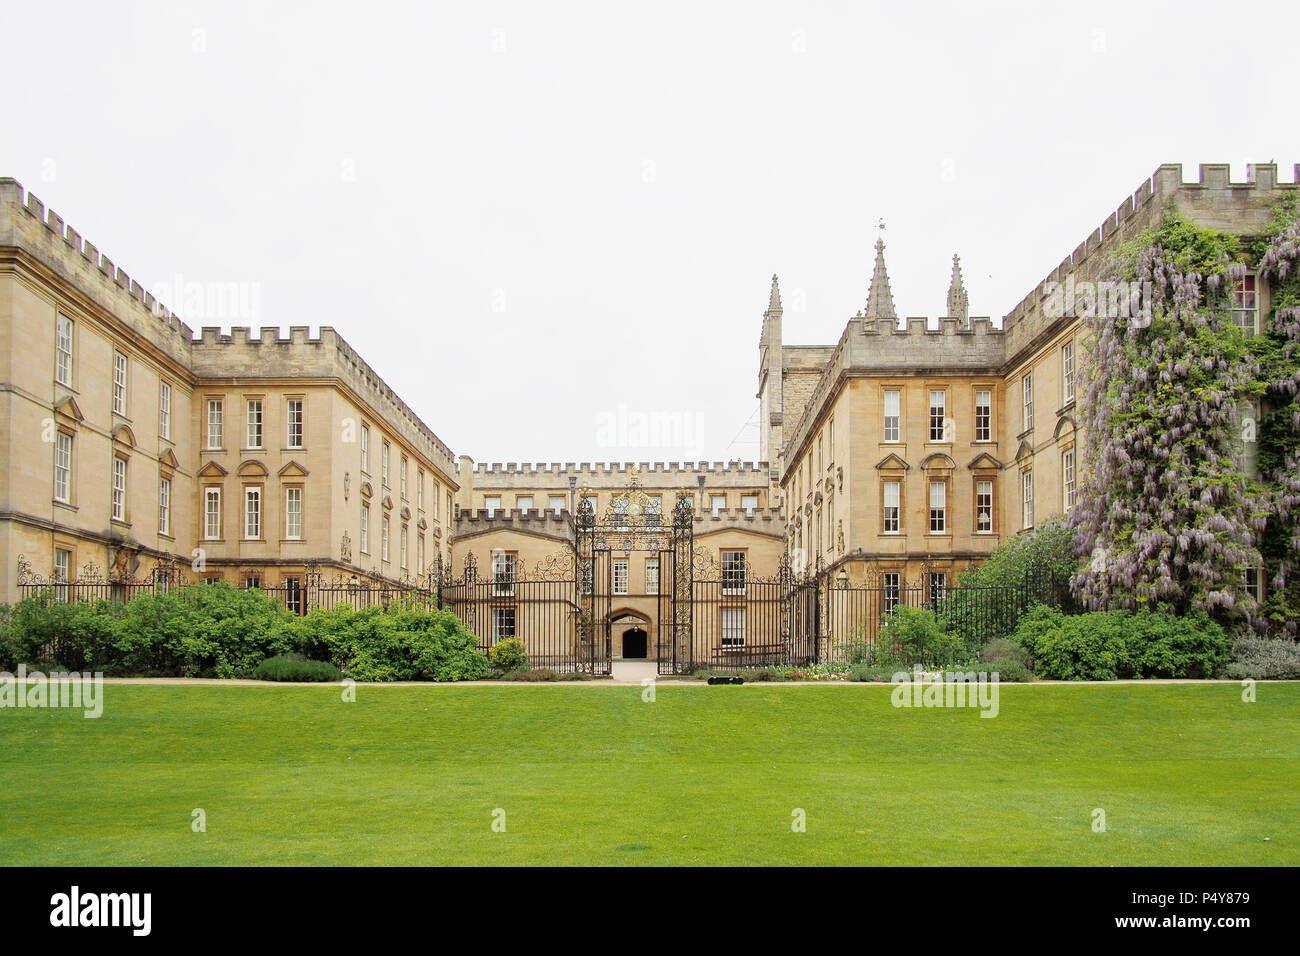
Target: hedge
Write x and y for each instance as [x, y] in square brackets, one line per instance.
[1105, 645]
[214, 630]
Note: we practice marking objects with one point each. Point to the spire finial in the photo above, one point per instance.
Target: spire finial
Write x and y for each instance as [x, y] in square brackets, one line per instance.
[774, 301]
[880, 300]
[958, 302]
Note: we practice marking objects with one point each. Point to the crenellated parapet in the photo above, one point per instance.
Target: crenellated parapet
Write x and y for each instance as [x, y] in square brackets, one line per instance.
[366, 382]
[769, 521]
[270, 354]
[229, 353]
[535, 521]
[1213, 200]
[944, 326]
[888, 345]
[553, 477]
[624, 468]
[32, 230]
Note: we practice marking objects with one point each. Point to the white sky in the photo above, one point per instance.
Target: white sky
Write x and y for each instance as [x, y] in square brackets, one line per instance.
[540, 220]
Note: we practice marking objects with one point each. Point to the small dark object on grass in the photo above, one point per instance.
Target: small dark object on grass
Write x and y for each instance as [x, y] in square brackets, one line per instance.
[726, 680]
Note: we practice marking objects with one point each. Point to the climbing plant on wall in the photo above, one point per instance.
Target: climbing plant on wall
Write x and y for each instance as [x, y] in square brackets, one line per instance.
[1168, 515]
[1277, 351]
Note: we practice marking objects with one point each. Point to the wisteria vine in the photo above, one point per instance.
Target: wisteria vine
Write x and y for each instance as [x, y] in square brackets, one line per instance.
[1167, 516]
[1279, 353]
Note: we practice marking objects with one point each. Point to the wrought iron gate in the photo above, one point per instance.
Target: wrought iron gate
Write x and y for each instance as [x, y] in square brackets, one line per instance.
[631, 525]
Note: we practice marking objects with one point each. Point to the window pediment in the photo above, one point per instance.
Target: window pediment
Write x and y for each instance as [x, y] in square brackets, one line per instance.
[937, 462]
[251, 468]
[892, 462]
[984, 460]
[212, 470]
[293, 470]
[69, 409]
[122, 435]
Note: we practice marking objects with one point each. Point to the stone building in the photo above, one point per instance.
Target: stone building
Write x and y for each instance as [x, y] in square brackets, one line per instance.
[517, 520]
[904, 452]
[128, 441]
[913, 446]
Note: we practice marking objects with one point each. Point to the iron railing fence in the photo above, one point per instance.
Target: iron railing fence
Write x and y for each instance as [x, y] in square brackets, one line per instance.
[739, 623]
[543, 614]
[302, 598]
[73, 592]
[843, 620]
[730, 623]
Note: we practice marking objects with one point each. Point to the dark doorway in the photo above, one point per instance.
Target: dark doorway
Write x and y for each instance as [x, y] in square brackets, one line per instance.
[634, 644]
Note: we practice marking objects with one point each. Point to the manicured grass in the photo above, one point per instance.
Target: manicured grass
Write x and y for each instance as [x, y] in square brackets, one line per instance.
[1187, 774]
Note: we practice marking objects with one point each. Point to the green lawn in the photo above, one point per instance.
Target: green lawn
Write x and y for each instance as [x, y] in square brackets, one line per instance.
[1187, 774]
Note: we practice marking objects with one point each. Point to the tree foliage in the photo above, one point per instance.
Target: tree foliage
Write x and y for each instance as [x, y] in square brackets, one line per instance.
[1047, 550]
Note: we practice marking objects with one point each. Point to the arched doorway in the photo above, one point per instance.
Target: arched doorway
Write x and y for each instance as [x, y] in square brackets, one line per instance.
[635, 644]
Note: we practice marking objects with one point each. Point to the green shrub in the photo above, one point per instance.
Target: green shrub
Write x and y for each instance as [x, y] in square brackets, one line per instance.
[873, 673]
[1083, 647]
[1265, 658]
[1009, 660]
[56, 634]
[410, 643]
[856, 650]
[214, 630]
[1047, 549]
[531, 674]
[8, 655]
[544, 674]
[1002, 649]
[293, 667]
[992, 597]
[197, 631]
[509, 655]
[201, 630]
[317, 634]
[912, 636]
[1008, 669]
[1187, 645]
[1105, 645]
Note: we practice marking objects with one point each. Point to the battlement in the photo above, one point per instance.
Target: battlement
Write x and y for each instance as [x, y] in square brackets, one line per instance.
[579, 469]
[536, 521]
[268, 354]
[42, 232]
[241, 335]
[889, 345]
[367, 381]
[299, 355]
[514, 515]
[731, 517]
[1207, 199]
[921, 325]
